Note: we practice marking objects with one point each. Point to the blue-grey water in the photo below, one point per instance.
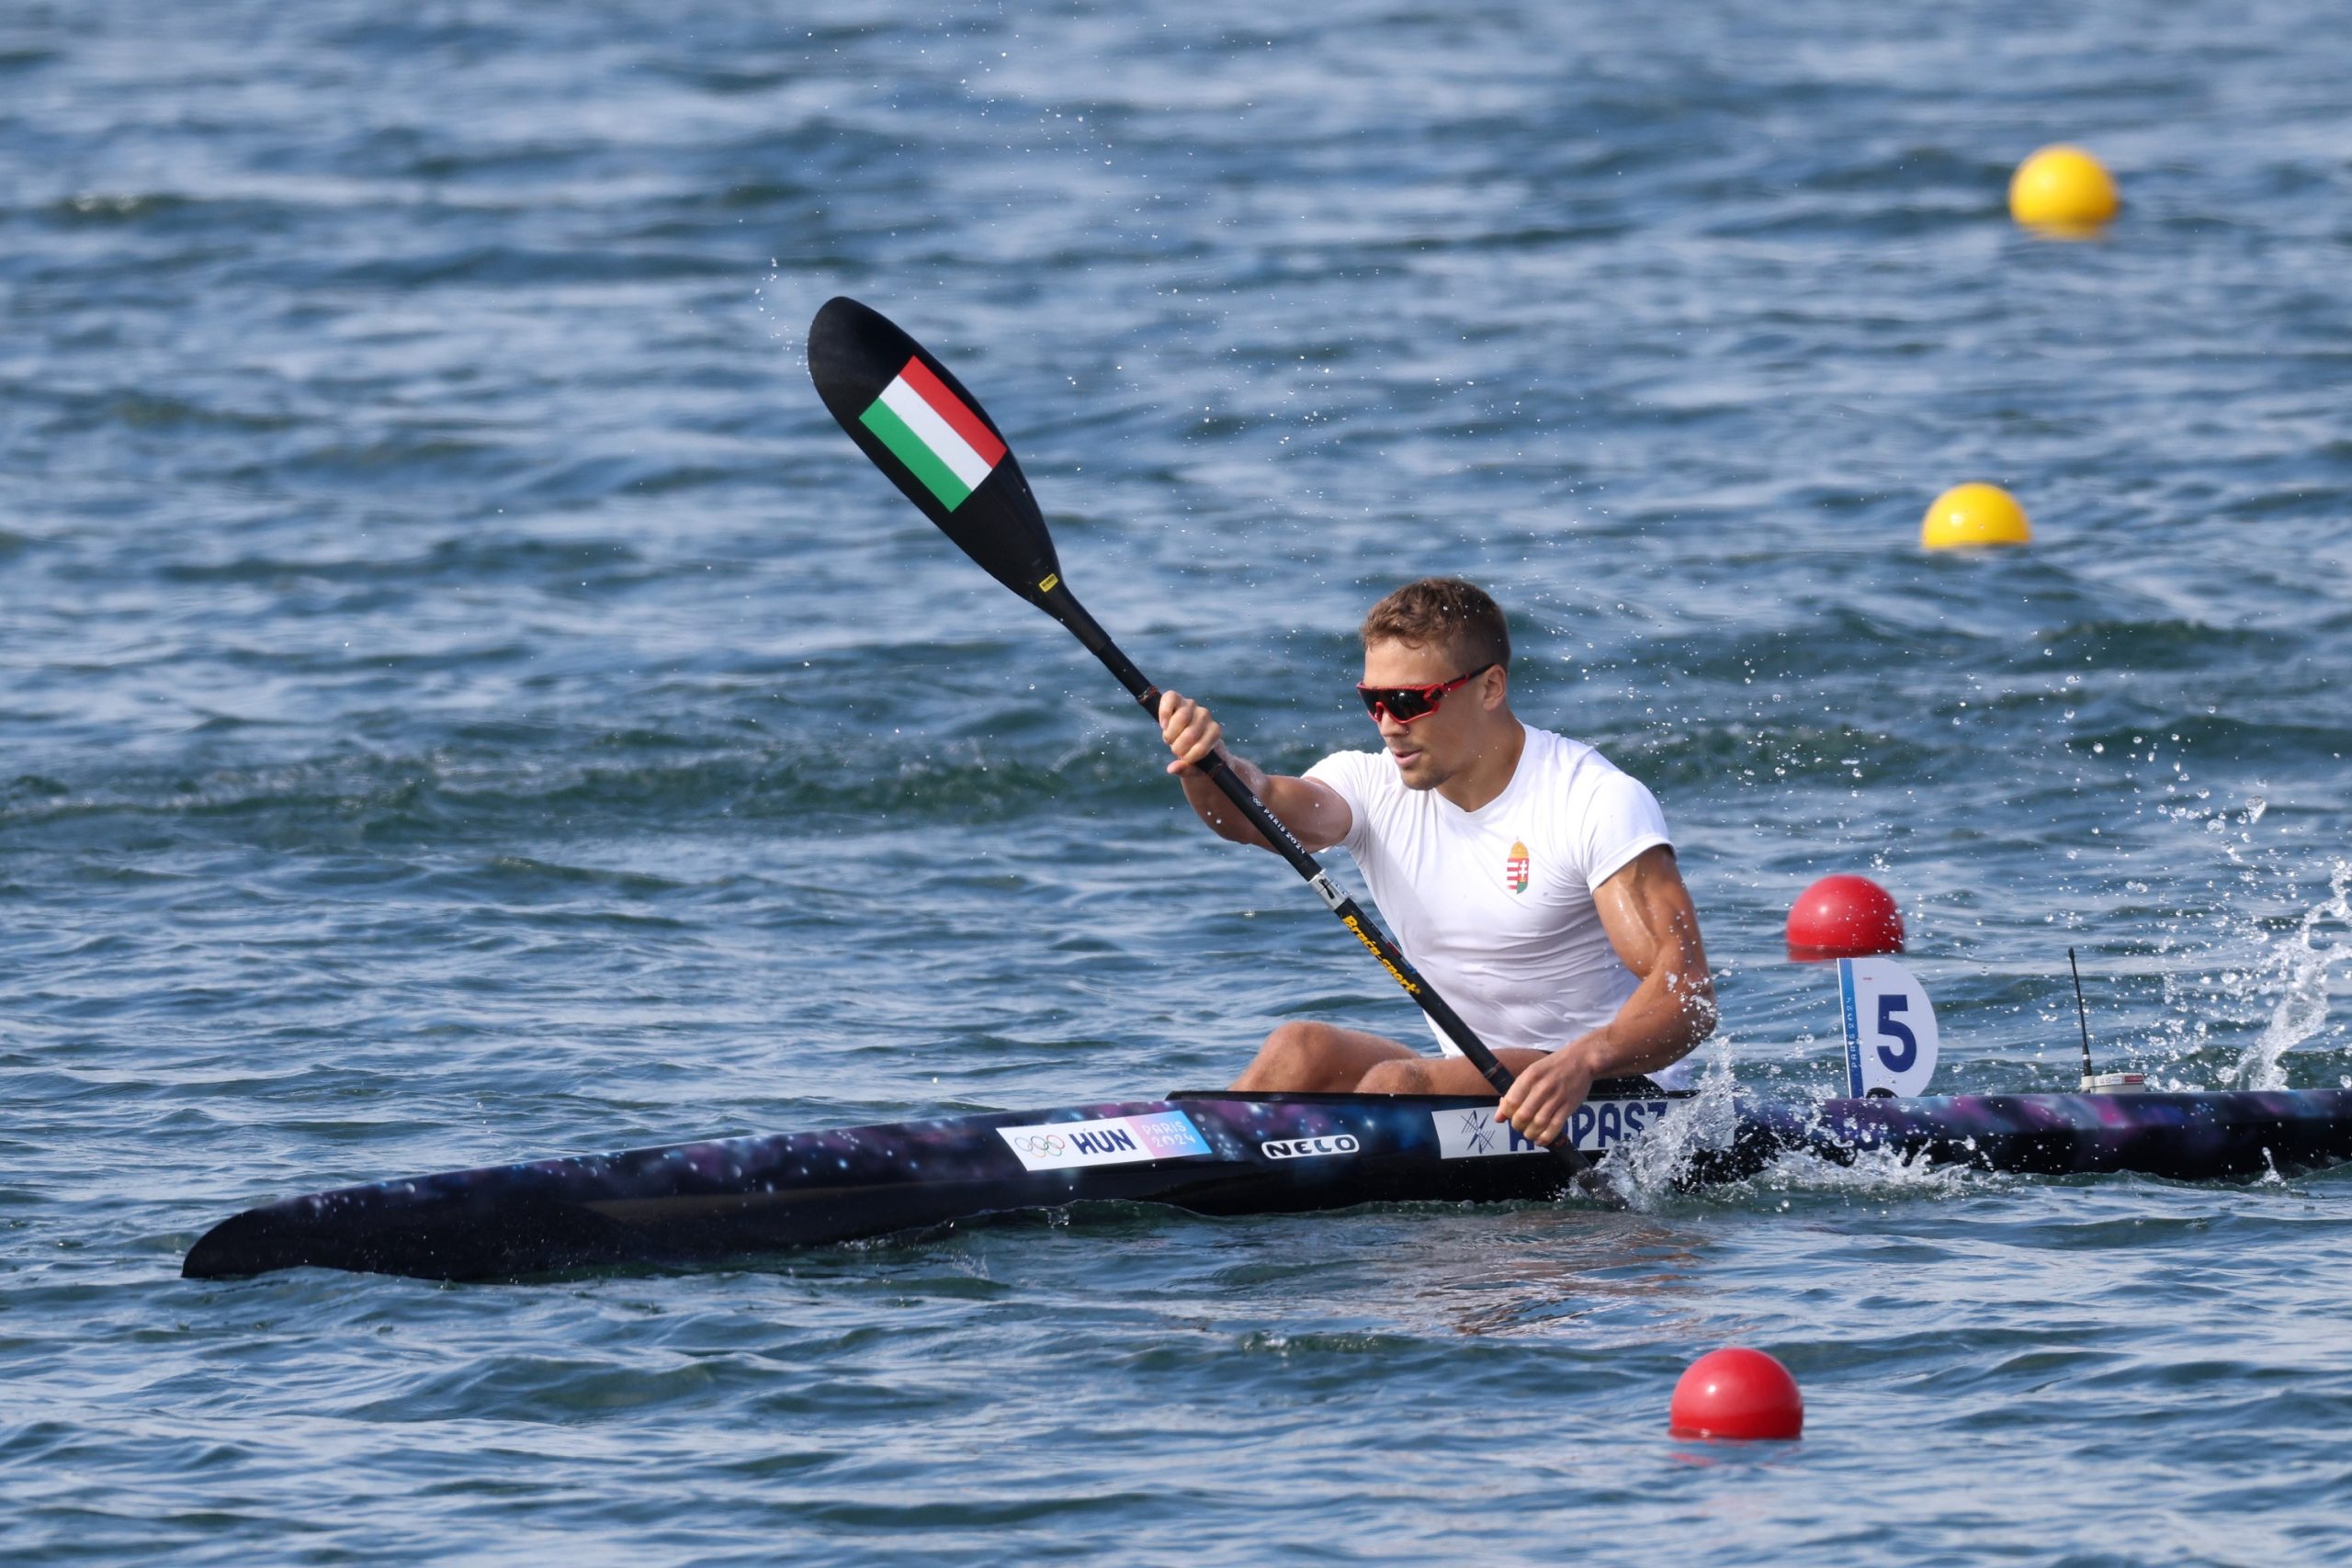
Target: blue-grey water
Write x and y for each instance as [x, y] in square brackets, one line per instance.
[461, 698]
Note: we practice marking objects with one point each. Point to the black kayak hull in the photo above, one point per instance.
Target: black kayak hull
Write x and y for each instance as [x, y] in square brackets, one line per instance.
[1211, 1153]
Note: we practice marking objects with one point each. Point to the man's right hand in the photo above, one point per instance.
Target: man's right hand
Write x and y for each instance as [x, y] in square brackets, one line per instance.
[1313, 812]
[1190, 731]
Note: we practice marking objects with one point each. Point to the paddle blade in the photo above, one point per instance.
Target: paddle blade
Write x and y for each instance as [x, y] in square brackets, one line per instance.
[932, 437]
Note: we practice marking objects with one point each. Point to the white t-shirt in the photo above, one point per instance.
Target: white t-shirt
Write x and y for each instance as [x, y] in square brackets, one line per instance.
[1495, 906]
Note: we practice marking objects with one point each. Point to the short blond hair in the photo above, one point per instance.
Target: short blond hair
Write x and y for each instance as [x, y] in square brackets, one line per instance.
[1444, 611]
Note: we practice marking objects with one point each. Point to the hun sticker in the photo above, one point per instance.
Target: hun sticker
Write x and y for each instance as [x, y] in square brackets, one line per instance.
[1117, 1140]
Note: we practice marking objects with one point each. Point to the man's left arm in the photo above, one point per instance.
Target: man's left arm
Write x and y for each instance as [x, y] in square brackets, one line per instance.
[1648, 913]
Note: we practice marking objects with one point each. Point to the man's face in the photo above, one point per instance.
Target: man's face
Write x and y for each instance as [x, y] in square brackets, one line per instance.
[1439, 744]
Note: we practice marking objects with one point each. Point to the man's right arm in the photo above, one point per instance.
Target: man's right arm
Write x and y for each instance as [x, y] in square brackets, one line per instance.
[1316, 815]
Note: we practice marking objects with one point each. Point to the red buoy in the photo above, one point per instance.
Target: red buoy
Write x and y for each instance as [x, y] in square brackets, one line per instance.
[1738, 1394]
[1844, 916]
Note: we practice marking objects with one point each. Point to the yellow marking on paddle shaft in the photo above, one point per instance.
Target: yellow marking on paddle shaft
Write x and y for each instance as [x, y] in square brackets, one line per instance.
[1048, 586]
[1387, 963]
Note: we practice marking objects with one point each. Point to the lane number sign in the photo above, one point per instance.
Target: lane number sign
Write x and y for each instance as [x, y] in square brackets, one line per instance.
[1890, 1029]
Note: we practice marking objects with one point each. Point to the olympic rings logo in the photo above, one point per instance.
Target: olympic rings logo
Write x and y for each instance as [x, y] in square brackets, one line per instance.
[1041, 1144]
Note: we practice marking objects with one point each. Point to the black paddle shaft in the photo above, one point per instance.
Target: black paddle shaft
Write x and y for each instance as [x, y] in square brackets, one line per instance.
[911, 415]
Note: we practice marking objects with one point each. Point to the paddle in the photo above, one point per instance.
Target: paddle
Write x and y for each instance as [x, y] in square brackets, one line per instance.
[911, 415]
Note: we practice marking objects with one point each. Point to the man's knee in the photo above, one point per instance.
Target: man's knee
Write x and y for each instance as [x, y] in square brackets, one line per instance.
[1295, 1057]
[1300, 1043]
[1293, 1036]
[1394, 1077]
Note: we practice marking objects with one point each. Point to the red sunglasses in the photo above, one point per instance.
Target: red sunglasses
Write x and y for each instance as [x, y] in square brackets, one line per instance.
[1406, 703]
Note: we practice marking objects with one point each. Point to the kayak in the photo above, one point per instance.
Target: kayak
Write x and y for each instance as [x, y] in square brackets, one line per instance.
[1213, 1153]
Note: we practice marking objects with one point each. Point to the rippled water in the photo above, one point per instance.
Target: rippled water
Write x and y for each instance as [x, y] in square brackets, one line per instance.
[464, 699]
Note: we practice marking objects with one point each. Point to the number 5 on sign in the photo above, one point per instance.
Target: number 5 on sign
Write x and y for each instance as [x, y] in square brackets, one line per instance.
[1890, 1029]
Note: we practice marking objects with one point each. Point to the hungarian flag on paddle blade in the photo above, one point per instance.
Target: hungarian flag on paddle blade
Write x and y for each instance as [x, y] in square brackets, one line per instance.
[927, 428]
[928, 434]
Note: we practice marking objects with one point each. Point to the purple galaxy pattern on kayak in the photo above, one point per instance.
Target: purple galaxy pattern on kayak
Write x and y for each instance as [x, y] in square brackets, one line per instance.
[735, 1196]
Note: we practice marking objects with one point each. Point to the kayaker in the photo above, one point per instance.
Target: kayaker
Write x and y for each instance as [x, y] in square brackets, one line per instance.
[1532, 882]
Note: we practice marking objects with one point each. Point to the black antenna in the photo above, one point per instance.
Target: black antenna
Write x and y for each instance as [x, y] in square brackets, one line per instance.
[2082, 1016]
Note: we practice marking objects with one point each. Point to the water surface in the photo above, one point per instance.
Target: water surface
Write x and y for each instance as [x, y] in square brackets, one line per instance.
[463, 699]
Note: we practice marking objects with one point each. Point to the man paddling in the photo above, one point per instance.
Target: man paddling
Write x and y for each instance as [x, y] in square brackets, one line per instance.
[1529, 879]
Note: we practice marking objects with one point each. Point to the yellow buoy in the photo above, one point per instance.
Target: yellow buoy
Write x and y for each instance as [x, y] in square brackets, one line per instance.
[1966, 517]
[2063, 189]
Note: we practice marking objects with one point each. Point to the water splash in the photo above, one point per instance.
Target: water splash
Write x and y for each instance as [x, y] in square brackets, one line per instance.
[1869, 1171]
[2301, 965]
[1649, 1170]
[2258, 988]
